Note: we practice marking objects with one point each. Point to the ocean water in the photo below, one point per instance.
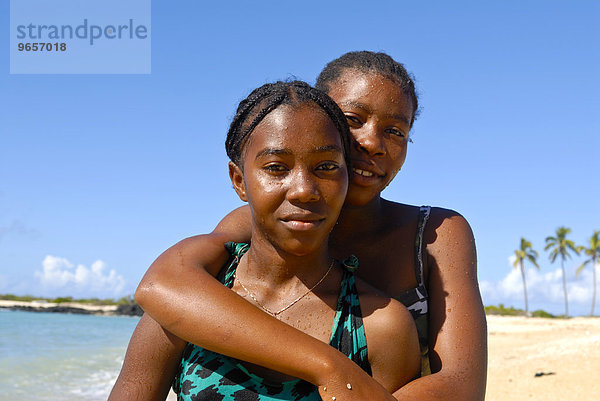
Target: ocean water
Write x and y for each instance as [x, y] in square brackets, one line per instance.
[56, 357]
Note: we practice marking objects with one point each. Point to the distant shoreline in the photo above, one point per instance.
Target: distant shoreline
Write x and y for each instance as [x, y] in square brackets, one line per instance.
[72, 307]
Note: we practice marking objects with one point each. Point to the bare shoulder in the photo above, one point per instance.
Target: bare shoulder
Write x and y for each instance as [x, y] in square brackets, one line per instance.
[438, 217]
[237, 225]
[447, 223]
[207, 250]
[449, 238]
[392, 341]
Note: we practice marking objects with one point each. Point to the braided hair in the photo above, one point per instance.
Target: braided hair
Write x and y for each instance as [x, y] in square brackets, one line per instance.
[370, 62]
[261, 101]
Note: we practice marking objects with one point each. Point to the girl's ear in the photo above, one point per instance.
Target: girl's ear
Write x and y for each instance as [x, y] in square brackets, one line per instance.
[237, 179]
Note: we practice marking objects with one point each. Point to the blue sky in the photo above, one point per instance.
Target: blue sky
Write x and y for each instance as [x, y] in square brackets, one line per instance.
[101, 173]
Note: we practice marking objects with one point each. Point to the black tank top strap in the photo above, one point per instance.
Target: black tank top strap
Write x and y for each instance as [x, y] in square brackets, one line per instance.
[424, 212]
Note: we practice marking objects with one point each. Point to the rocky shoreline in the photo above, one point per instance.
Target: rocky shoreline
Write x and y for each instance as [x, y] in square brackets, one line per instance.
[73, 307]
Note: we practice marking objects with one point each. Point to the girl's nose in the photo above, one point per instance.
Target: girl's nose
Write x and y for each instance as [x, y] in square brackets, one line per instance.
[369, 140]
[303, 187]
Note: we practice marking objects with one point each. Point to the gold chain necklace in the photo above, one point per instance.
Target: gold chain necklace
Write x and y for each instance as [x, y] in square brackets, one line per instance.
[275, 314]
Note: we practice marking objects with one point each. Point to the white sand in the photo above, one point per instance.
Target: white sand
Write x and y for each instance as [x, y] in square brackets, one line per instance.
[520, 347]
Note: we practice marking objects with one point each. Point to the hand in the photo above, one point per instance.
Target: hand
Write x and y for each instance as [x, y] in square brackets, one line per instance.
[348, 382]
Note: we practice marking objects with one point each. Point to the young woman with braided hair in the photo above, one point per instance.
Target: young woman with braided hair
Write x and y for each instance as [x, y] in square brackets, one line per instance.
[289, 145]
[424, 257]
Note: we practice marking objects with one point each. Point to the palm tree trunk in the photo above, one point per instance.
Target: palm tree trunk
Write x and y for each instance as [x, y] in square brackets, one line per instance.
[594, 293]
[524, 289]
[564, 277]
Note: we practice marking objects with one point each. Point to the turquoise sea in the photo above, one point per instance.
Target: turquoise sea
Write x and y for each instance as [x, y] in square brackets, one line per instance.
[56, 357]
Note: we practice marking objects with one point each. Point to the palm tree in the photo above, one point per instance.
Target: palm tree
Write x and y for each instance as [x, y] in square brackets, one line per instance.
[560, 245]
[594, 255]
[525, 252]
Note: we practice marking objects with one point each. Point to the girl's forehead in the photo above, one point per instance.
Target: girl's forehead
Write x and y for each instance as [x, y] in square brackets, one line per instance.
[289, 116]
[295, 127]
[372, 92]
[358, 83]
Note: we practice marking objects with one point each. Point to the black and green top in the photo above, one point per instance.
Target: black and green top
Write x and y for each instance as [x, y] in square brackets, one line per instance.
[416, 299]
[205, 375]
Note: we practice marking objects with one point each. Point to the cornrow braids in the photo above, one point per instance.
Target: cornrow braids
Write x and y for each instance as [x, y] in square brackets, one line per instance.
[263, 100]
[370, 62]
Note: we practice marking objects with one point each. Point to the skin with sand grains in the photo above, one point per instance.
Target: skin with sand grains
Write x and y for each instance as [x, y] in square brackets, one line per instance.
[294, 176]
[379, 101]
[379, 117]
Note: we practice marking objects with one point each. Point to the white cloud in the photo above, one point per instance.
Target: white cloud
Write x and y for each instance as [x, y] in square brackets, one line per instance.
[511, 259]
[59, 274]
[544, 289]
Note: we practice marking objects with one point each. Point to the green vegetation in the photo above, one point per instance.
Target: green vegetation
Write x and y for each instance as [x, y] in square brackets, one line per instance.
[128, 300]
[543, 313]
[504, 311]
[512, 311]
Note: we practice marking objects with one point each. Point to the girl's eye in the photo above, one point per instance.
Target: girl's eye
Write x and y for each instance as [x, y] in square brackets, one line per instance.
[275, 168]
[353, 120]
[328, 166]
[398, 133]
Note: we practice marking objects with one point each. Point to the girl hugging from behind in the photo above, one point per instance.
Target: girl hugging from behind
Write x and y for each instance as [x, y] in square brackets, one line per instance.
[289, 146]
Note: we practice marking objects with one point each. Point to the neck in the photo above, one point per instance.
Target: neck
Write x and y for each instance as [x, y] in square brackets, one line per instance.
[276, 267]
[360, 220]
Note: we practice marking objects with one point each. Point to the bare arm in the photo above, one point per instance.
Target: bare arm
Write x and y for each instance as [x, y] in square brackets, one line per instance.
[181, 283]
[457, 325]
[180, 292]
[150, 364]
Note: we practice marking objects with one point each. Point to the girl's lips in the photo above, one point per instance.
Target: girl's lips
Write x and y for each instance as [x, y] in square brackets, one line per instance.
[366, 168]
[302, 225]
[302, 221]
[364, 173]
[364, 177]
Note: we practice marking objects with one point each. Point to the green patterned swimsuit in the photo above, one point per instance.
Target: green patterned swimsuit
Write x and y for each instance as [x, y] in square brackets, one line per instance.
[416, 299]
[205, 375]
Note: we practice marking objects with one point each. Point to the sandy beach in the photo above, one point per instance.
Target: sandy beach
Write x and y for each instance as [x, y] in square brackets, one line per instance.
[565, 354]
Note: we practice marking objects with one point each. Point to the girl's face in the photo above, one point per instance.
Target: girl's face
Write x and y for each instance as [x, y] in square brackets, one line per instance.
[379, 115]
[294, 178]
